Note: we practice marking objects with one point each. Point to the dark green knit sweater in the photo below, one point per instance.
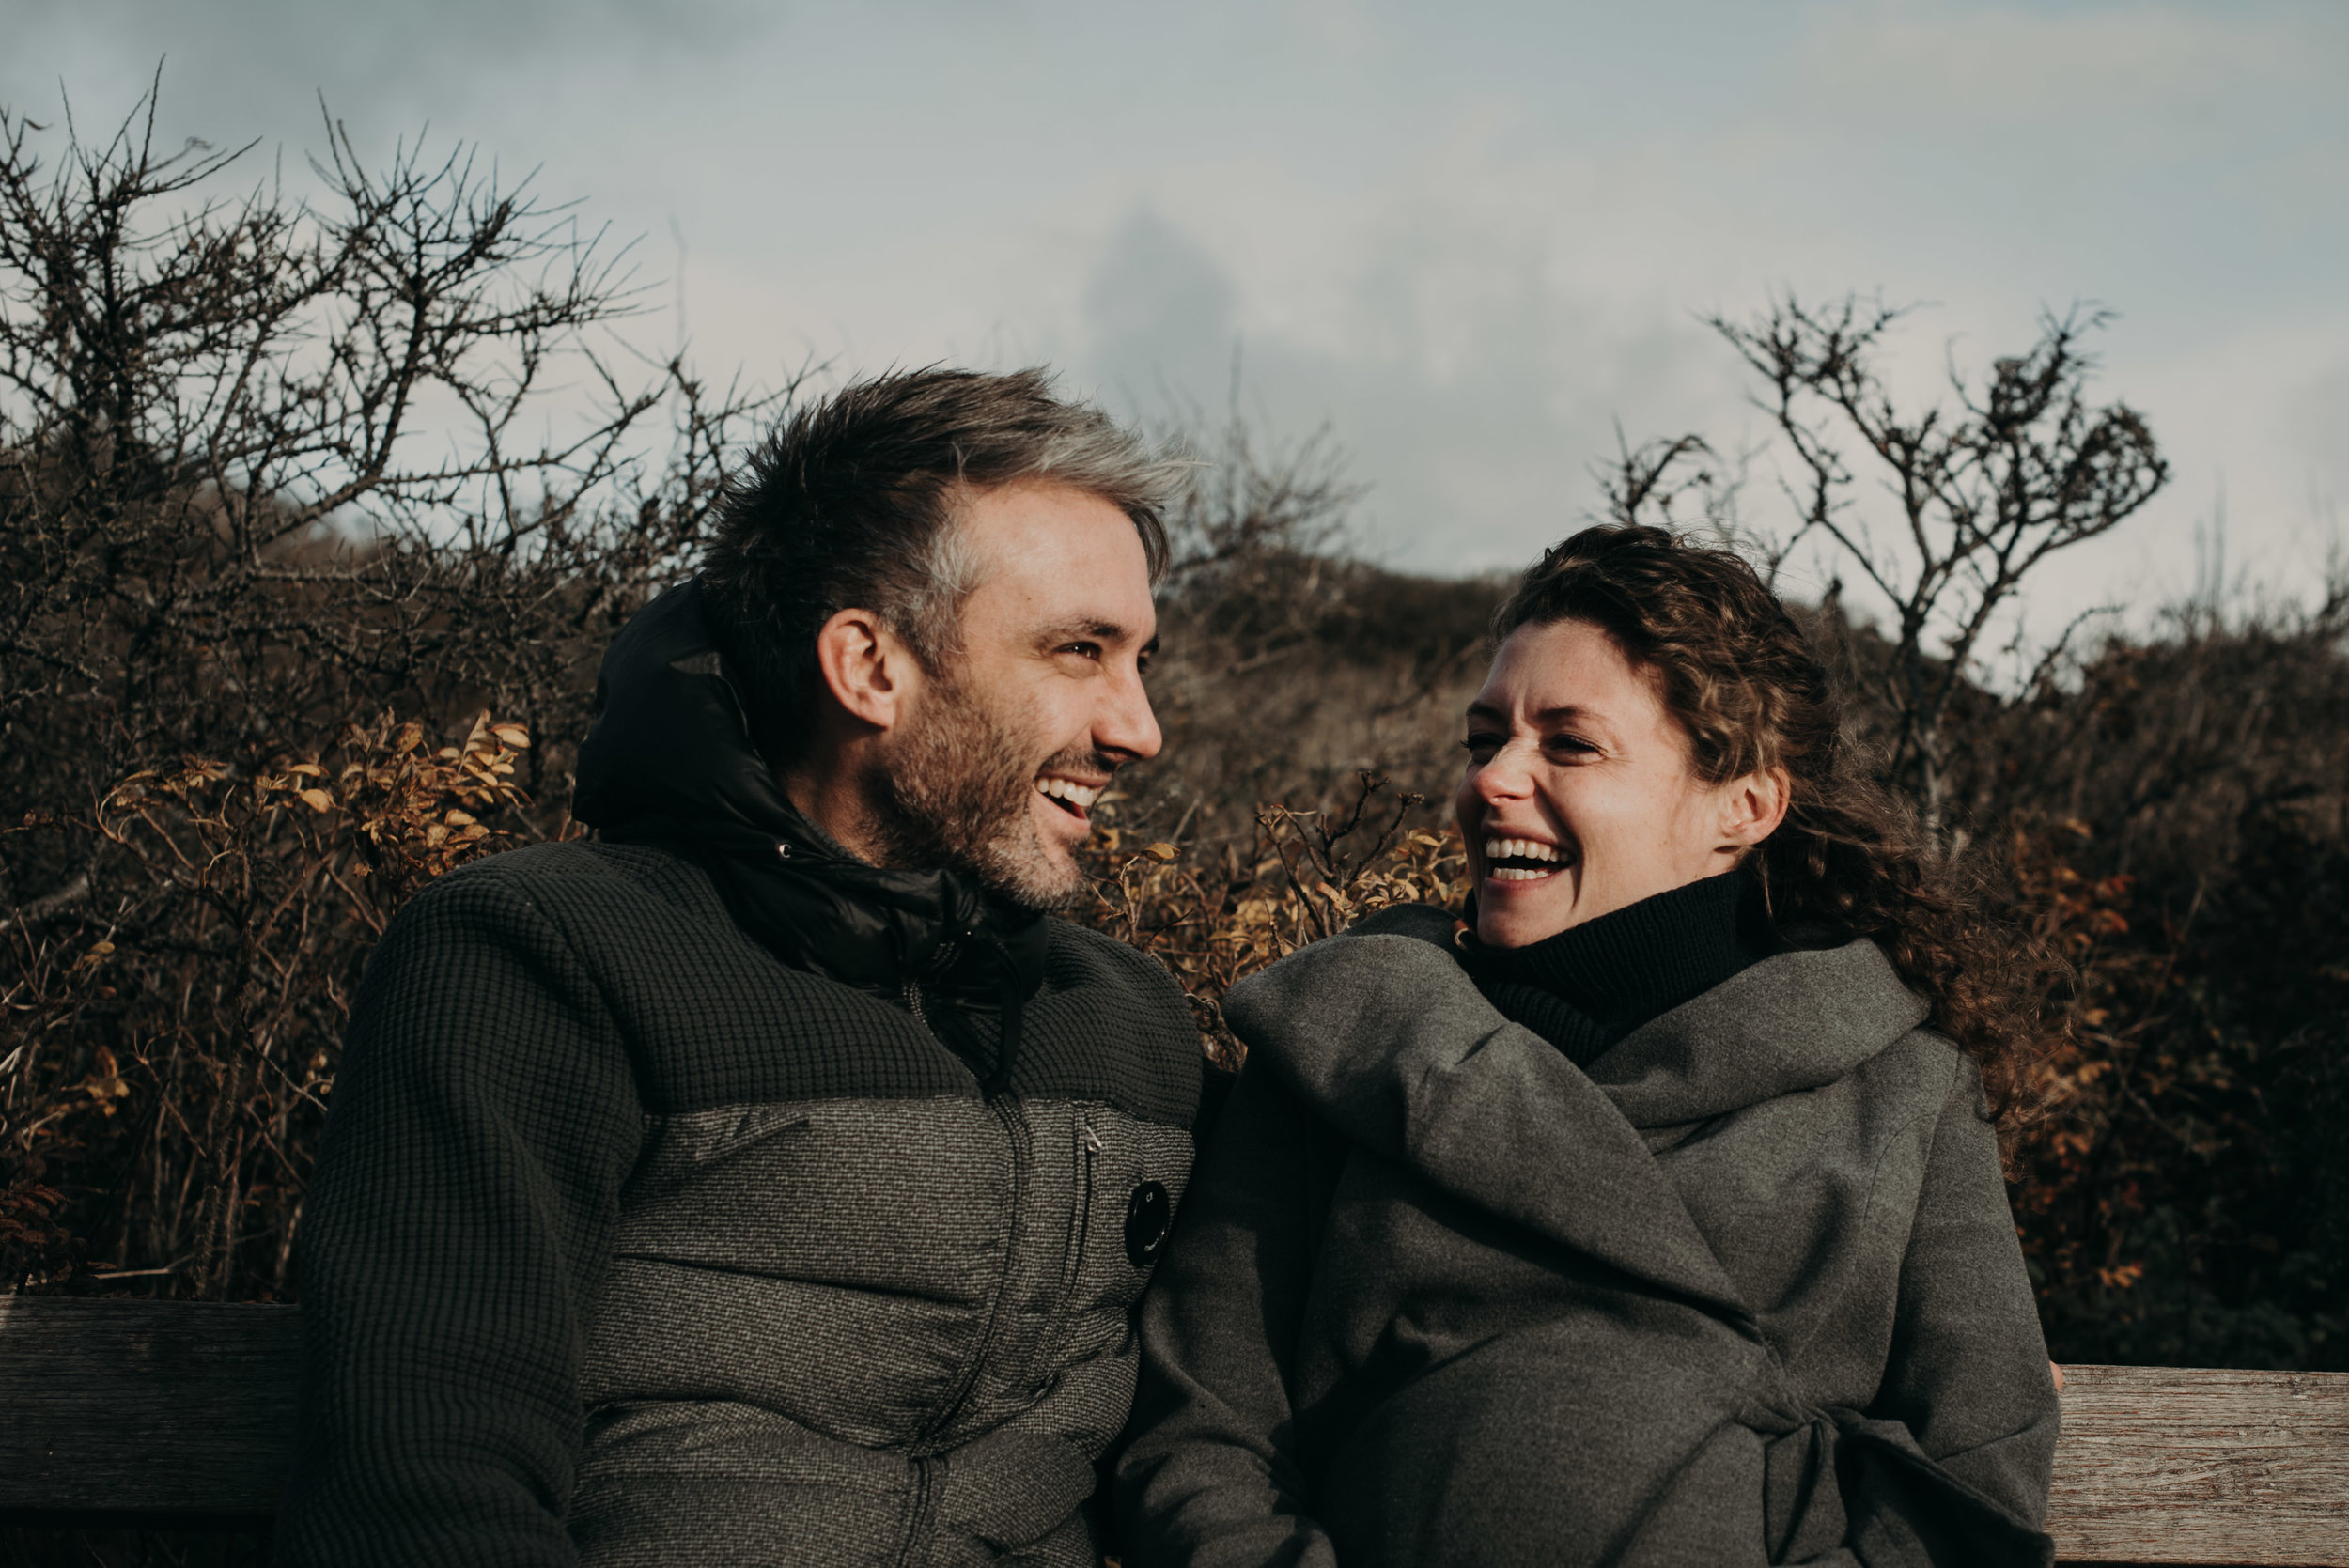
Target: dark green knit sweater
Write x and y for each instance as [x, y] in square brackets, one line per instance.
[633, 1243]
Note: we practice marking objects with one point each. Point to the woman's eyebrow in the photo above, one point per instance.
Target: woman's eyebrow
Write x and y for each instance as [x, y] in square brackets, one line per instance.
[1563, 713]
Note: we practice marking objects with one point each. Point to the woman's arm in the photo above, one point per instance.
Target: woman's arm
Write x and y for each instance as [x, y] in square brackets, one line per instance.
[1968, 1372]
[1210, 1474]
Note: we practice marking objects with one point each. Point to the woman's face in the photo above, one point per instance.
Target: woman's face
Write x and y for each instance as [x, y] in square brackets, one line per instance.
[1578, 797]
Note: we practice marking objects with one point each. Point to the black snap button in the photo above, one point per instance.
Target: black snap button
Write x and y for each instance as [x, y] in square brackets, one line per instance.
[1147, 1213]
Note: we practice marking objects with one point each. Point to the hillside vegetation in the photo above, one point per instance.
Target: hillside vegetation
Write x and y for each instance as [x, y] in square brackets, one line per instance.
[302, 608]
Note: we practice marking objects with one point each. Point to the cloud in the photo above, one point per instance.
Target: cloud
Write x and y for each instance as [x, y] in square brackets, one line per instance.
[1468, 241]
[2014, 69]
[1161, 316]
[256, 66]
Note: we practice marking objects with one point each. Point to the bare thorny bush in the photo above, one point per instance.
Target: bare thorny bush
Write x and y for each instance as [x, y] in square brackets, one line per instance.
[268, 464]
[2167, 806]
[1971, 495]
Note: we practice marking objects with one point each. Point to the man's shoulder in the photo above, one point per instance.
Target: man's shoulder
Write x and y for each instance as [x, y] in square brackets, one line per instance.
[1078, 955]
[555, 876]
[1114, 1025]
[599, 900]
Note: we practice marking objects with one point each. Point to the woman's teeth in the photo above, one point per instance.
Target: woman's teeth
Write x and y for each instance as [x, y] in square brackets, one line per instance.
[1500, 851]
[1069, 793]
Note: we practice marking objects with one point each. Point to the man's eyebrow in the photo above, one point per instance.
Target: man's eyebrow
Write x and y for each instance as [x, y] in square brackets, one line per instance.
[1089, 628]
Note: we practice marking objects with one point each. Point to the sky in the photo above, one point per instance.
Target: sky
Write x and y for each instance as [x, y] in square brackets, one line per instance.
[1469, 239]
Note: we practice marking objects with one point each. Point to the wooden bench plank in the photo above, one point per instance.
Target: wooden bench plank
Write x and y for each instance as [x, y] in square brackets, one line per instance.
[2163, 1466]
[147, 1411]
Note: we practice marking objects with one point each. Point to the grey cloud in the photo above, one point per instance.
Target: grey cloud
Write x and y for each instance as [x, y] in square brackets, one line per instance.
[1161, 316]
[385, 63]
[1473, 407]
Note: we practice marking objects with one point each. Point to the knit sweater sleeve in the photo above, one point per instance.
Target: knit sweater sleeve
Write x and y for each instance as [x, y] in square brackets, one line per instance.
[482, 1124]
[1967, 1373]
[1211, 1475]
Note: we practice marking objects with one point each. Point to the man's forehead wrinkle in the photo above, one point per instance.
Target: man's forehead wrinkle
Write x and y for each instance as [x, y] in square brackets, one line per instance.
[1098, 628]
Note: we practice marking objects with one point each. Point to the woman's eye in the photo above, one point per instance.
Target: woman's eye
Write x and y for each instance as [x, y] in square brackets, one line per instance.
[1571, 745]
[1481, 746]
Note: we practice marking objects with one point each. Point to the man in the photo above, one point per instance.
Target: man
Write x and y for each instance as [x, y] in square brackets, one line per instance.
[771, 1181]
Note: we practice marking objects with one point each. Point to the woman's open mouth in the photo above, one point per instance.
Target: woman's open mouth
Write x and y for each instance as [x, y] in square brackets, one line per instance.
[1521, 859]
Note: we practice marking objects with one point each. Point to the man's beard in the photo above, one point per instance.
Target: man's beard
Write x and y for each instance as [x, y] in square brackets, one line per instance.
[954, 793]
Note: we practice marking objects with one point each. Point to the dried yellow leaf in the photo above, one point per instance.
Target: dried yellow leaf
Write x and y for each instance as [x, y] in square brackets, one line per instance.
[318, 800]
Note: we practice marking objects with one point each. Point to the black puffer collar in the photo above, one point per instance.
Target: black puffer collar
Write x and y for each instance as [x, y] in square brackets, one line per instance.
[669, 761]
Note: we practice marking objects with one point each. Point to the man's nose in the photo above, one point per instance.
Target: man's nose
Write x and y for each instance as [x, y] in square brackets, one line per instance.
[1124, 724]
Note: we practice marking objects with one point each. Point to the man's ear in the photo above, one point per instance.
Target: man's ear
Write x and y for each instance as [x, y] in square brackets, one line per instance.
[1753, 806]
[869, 673]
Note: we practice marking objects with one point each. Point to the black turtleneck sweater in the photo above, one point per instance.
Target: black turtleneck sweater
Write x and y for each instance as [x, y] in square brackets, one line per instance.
[1591, 985]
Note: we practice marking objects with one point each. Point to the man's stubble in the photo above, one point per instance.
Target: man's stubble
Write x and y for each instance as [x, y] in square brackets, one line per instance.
[955, 794]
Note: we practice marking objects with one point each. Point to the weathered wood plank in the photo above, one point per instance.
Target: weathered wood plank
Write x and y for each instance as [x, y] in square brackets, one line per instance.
[169, 1408]
[2164, 1466]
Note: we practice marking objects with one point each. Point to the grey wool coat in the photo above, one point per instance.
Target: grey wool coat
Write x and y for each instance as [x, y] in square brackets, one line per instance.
[1747, 1291]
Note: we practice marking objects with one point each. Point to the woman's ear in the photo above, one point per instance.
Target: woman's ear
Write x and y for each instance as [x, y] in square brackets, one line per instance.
[1753, 806]
[866, 668]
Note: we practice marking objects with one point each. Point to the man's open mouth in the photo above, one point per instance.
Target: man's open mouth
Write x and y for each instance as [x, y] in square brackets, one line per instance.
[1521, 859]
[1069, 796]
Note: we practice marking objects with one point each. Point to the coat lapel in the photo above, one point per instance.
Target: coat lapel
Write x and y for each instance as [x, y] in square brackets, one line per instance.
[1796, 1021]
[1387, 1039]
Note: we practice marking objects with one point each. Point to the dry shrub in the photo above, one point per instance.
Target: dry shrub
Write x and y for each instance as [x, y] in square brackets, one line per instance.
[166, 1052]
[1217, 914]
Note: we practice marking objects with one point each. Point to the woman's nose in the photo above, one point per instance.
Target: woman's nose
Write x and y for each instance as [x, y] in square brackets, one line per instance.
[1505, 776]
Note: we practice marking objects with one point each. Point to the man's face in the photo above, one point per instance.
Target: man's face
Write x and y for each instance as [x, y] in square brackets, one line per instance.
[997, 762]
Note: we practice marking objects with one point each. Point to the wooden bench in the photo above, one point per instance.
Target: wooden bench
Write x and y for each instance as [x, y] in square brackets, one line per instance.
[179, 1416]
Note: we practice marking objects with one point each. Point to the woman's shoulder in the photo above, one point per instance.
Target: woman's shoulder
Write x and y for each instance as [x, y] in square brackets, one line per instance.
[1410, 937]
[1426, 922]
[1399, 963]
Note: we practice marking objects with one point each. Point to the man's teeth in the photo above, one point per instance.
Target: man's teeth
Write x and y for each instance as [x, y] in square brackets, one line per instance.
[1080, 796]
[1517, 849]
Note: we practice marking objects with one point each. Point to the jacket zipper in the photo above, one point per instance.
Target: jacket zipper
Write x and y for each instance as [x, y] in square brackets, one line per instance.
[1073, 1269]
[1017, 1133]
[920, 1506]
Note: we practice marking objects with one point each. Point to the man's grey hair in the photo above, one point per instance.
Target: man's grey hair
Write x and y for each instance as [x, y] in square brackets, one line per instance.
[852, 503]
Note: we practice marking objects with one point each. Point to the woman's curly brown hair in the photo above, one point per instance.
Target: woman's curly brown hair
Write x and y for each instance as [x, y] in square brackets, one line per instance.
[1850, 860]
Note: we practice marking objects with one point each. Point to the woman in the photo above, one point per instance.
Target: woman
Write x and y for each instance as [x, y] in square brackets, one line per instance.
[1649, 1214]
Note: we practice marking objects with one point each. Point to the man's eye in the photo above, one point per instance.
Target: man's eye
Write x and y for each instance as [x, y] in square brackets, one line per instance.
[1084, 650]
